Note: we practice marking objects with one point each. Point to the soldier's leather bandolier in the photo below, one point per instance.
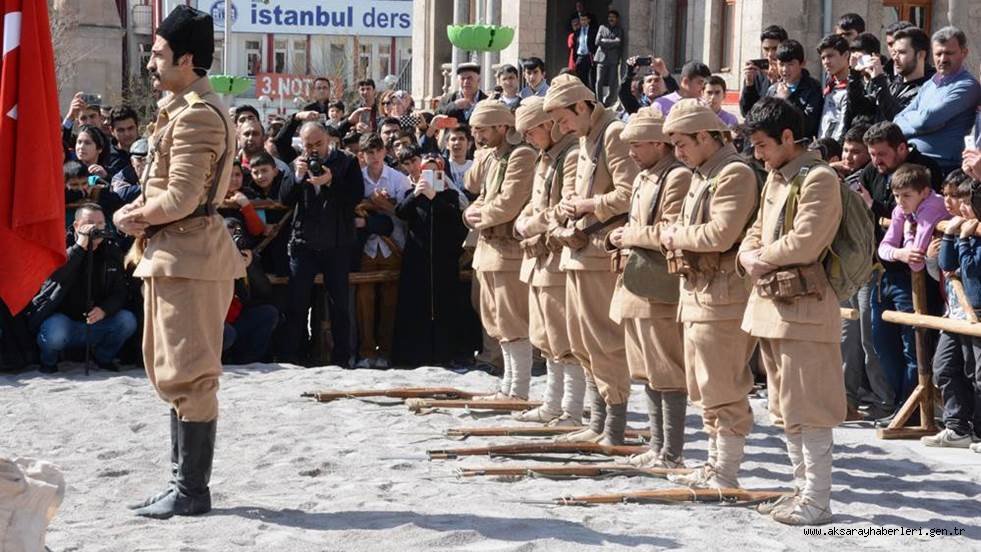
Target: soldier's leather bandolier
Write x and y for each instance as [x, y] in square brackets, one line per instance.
[536, 246]
[691, 264]
[787, 283]
[207, 208]
[571, 235]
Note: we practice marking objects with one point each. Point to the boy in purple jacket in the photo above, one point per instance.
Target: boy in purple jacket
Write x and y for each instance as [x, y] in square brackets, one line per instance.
[902, 251]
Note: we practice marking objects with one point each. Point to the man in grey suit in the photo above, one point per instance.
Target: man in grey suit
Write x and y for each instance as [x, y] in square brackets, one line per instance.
[609, 47]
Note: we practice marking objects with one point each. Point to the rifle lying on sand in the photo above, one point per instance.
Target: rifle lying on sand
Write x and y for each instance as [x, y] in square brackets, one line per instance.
[738, 497]
[416, 405]
[395, 393]
[516, 449]
[530, 431]
[570, 471]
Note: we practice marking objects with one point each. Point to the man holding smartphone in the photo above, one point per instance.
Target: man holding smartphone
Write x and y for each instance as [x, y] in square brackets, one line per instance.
[759, 74]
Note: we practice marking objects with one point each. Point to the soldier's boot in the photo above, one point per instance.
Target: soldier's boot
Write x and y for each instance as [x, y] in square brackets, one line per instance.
[674, 406]
[597, 418]
[520, 355]
[191, 495]
[574, 392]
[795, 451]
[813, 505]
[174, 455]
[616, 425]
[651, 458]
[551, 407]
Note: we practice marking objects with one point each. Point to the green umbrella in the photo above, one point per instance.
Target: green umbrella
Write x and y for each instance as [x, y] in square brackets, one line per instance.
[229, 84]
[480, 38]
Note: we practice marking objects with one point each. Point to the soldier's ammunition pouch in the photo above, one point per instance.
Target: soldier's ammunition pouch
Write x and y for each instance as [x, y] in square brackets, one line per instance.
[689, 264]
[535, 247]
[787, 284]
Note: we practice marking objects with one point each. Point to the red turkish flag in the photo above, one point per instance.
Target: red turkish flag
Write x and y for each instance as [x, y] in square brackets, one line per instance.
[32, 197]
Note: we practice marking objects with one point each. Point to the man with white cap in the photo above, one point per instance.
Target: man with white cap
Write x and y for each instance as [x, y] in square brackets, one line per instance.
[556, 168]
[702, 247]
[504, 191]
[646, 298]
[798, 321]
[599, 200]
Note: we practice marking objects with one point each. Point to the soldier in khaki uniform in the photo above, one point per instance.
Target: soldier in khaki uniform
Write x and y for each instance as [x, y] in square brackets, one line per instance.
[716, 212]
[595, 205]
[497, 259]
[189, 262]
[653, 335]
[798, 321]
[565, 383]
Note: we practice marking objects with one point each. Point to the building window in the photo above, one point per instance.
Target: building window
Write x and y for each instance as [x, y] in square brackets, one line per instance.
[253, 56]
[680, 34]
[726, 33]
[337, 62]
[279, 55]
[384, 62]
[299, 60]
[917, 12]
[364, 61]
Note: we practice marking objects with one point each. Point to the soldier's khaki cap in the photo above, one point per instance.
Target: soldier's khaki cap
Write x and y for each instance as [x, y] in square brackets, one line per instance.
[647, 125]
[566, 90]
[689, 116]
[531, 113]
[490, 113]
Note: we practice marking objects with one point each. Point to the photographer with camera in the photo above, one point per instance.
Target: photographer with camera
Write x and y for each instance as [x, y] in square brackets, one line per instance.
[84, 298]
[328, 187]
[656, 82]
[251, 317]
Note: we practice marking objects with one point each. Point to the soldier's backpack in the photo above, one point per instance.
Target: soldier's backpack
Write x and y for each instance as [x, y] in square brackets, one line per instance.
[848, 262]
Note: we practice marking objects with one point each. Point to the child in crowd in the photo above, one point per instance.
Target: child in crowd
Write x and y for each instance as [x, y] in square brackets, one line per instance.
[955, 362]
[903, 251]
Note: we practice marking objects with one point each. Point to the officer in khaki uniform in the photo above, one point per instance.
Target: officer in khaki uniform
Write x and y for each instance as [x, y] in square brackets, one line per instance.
[653, 335]
[594, 206]
[189, 262]
[715, 214]
[558, 153]
[497, 259]
[792, 308]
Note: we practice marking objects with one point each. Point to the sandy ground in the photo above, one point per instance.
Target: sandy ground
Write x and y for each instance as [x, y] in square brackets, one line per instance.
[295, 475]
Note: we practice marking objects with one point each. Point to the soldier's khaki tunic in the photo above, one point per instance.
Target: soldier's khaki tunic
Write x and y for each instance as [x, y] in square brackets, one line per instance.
[712, 304]
[546, 282]
[597, 341]
[653, 335]
[497, 259]
[799, 340]
[189, 267]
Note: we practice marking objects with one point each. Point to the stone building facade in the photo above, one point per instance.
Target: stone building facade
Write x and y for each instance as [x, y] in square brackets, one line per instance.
[721, 33]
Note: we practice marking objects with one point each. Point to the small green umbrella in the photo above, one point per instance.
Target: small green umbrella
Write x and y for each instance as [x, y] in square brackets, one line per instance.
[480, 38]
[229, 84]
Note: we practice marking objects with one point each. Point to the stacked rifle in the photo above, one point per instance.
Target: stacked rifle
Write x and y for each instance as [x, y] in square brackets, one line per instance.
[556, 460]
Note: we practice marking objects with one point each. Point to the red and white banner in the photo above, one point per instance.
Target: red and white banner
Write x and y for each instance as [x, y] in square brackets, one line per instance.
[276, 85]
[32, 196]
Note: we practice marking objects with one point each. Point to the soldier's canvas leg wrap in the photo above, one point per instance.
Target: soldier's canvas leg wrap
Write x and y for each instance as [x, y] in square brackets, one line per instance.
[505, 386]
[184, 366]
[718, 378]
[554, 383]
[588, 297]
[654, 415]
[730, 458]
[575, 391]
[674, 405]
[518, 354]
[616, 424]
[795, 450]
[597, 408]
[813, 505]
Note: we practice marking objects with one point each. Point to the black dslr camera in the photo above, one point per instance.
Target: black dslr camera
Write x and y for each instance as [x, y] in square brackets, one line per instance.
[316, 165]
[240, 237]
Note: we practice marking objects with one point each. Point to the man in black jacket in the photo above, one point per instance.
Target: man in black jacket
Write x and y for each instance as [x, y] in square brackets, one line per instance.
[795, 85]
[328, 186]
[64, 307]
[756, 80]
[889, 149]
[891, 94]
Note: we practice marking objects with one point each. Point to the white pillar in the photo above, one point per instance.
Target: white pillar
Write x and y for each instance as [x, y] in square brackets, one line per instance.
[461, 16]
[492, 17]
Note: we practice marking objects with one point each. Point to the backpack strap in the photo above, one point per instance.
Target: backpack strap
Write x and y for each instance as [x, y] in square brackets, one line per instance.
[785, 222]
[556, 171]
[656, 200]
